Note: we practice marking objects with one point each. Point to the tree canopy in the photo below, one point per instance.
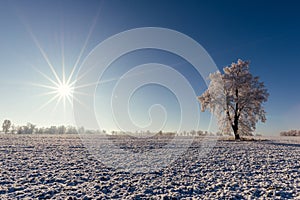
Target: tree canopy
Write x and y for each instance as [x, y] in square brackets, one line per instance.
[236, 98]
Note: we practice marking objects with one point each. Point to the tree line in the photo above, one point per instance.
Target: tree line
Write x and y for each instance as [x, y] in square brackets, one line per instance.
[290, 133]
[30, 128]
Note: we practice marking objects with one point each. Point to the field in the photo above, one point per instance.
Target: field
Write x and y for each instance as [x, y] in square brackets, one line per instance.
[60, 167]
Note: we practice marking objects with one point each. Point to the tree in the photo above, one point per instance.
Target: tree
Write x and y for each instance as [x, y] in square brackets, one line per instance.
[52, 130]
[236, 98]
[61, 129]
[13, 129]
[6, 125]
[30, 128]
[71, 130]
[290, 133]
[81, 130]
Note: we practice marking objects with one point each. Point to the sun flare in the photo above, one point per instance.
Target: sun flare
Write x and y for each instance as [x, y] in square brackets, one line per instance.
[65, 90]
[61, 86]
[60, 89]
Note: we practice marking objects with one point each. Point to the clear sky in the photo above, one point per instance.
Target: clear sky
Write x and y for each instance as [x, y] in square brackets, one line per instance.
[63, 33]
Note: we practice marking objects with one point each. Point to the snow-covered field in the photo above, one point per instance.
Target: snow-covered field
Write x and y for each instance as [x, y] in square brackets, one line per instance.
[60, 167]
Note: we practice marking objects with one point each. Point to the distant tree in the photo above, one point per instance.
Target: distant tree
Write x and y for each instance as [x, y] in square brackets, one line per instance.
[160, 133]
[236, 98]
[193, 132]
[19, 130]
[71, 130]
[25, 130]
[30, 128]
[53, 130]
[61, 129]
[81, 130]
[6, 125]
[40, 130]
[199, 133]
[13, 129]
[290, 133]
[219, 133]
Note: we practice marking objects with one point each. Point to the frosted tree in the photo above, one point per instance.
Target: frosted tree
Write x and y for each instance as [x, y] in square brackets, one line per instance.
[6, 125]
[236, 98]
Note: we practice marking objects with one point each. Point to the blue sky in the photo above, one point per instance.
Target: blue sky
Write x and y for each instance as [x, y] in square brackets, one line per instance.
[266, 33]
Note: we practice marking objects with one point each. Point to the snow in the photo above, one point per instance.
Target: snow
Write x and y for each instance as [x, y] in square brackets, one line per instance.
[59, 166]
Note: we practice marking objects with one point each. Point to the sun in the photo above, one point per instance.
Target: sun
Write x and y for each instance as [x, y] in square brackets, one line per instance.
[61, 89]
[61, 86]
[65, 90]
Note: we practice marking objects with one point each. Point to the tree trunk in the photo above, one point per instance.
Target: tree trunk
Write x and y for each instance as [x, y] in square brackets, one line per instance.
[235, 127]
[236, 134]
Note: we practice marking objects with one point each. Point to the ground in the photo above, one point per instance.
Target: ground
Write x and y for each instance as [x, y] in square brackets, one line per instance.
[60, 167]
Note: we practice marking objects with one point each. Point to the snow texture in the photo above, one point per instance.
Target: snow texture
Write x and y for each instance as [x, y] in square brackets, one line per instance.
[60, 167]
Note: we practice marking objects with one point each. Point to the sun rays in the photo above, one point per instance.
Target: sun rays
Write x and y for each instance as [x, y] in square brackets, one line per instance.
[60, 89]
[59, 85]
